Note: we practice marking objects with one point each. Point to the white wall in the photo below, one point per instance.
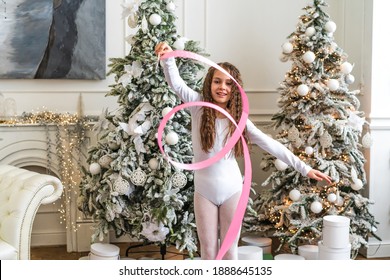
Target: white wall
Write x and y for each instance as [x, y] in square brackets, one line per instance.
[248, 33]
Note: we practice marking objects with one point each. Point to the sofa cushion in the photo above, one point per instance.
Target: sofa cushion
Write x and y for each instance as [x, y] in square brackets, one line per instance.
[7, 252]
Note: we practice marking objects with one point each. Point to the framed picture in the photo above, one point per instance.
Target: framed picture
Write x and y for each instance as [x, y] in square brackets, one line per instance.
[52, 39]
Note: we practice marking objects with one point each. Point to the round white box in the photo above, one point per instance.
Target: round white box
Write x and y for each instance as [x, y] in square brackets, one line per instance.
[263, 242]
[290, 257]
[250, 253]
[335, 232]
[309, 252]
[326, 253]
[104, 251]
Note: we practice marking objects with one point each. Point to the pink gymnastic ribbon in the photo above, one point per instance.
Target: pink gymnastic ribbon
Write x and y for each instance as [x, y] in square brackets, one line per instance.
[235, 225]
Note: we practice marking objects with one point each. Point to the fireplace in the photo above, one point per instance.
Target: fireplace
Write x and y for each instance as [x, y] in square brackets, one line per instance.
[51, 149]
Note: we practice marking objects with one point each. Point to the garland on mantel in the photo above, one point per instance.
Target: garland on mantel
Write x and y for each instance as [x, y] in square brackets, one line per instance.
[69, 140]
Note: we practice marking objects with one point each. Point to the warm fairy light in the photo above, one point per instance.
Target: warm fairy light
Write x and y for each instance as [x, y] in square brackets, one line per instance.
[70, 135]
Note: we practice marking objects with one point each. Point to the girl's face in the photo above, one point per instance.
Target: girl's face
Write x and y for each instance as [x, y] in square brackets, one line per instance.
[221, 89]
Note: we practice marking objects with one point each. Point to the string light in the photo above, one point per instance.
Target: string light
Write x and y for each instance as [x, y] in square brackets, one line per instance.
[69, 139]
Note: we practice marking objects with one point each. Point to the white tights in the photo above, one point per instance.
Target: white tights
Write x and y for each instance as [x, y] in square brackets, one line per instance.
[209, 219]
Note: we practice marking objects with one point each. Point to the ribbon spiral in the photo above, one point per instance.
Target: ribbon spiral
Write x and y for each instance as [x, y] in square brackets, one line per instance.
[235, 225]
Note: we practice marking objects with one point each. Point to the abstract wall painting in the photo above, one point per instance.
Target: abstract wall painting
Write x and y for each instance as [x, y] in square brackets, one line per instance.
[52, 39]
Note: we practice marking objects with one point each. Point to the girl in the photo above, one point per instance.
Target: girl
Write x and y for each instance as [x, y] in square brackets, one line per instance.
[218, 187]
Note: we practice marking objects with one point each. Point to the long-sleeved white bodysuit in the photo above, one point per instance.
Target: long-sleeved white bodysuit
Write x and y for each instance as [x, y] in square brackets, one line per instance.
[220, 181]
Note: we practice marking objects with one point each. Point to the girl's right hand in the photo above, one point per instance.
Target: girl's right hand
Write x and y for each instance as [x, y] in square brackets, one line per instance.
[162, 48]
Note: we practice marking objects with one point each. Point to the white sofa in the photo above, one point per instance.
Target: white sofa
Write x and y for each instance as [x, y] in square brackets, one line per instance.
[21, 193]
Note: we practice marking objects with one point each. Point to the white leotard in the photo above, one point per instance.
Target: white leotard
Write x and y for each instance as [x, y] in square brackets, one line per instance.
[220, 181]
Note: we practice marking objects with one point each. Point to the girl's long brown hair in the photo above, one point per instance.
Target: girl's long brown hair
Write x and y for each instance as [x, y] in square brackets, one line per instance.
[234, 107]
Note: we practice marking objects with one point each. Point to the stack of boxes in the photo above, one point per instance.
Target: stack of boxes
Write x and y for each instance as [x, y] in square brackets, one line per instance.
[335, 244]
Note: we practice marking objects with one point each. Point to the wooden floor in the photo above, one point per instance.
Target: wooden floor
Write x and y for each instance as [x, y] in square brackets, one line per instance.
[142, 252]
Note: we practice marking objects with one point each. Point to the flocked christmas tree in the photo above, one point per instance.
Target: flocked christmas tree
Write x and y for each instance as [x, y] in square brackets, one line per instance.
[319, 120]
[129, 188]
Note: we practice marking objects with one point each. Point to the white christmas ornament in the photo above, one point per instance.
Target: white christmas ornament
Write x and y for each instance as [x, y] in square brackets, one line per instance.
[294, 195]
[95, 168]
[138, 177]
[179, 180]
[309, 150]
[155, 19]
[283, 58]
[332, 197]
[339, 201]
[303, 90]
[179, 44]
[171, 7]
[153, 163]
[309, 57]
[123, 187]
[357, 185]
[316, 207]
[367, 140]
[172, 138]
[105, 161]
[287, 47]
[280, 165]
[346, 67]
[333, 84]
[350, 79]
[330, 27]
[310, 31]
[165, 111]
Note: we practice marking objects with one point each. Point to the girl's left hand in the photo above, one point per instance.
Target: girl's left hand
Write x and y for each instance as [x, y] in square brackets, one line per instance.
[319, 176]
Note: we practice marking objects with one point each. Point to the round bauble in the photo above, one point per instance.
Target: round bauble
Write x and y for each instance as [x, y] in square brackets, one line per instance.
[280, 165]
[367, 140]
[113, 146]
[316, 207]
[308, 57]
[105, 161]
[179, 44]
[132, 21]
[332, 197]
[287, 47]
[95, 168]
[333, 84]
[171, 7]
[309, 150]
[302, 90]
[350, 79]
[179, 180]
[330, 27]
[310, 31]
[357, 185]
[294, 195]
[172, 138]
[165, 111]
[123, 187]
[346, 67]
[155, 19]
[153, 163]
[339, 201]
[283, 58]
[138, 177]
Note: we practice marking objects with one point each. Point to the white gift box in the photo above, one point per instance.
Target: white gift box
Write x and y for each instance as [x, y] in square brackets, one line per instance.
[335, 233]
[327, 253]
[309, 252]
[290, 257]
[104, 251]
[250, 253]
[263, 242]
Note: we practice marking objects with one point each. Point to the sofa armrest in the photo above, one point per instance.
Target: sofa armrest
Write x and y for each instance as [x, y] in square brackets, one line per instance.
[21, 193]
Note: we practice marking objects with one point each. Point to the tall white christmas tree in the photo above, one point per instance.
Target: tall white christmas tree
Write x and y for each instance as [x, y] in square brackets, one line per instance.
[319, 120]
[129, 188]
